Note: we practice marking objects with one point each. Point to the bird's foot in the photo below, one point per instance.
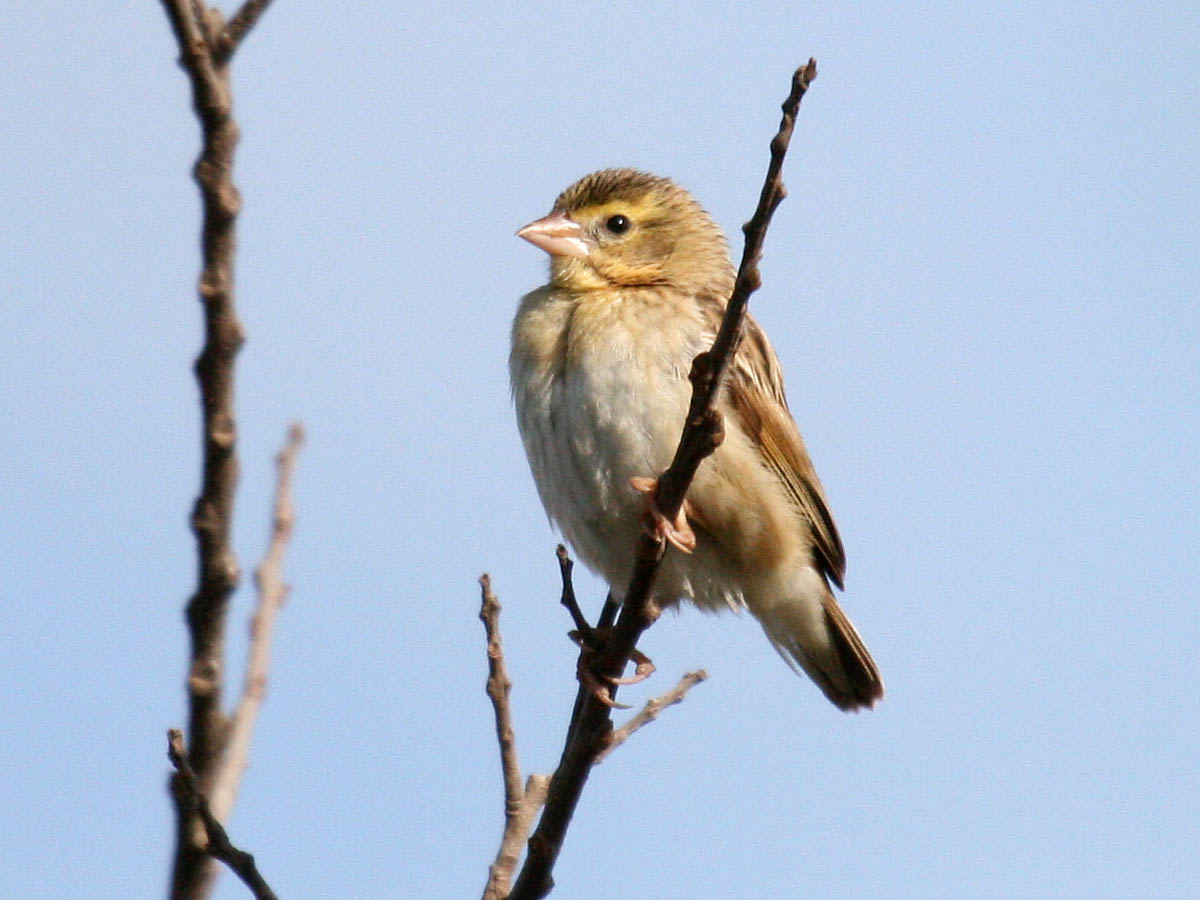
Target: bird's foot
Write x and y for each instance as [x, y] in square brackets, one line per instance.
[679, 533]
[589, 645]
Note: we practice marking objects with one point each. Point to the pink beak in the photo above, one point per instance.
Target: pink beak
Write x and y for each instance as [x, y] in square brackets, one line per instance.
[557, 235]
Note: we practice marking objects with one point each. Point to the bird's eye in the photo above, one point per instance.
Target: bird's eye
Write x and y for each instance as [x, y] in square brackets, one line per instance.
[617, 224]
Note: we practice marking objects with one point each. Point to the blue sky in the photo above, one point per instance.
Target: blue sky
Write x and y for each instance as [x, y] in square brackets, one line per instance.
[983, 290]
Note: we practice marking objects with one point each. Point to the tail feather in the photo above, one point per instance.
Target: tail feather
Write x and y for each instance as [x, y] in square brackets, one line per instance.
[864, 686]
[822, 643]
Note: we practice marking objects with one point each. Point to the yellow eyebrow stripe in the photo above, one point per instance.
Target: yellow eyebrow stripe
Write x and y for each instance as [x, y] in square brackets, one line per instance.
[634, 209]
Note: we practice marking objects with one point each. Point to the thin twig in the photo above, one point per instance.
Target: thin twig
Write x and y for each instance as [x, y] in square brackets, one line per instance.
[584, 631]
[608, 614]
[702, 433]
[239, 26]
[499, 686]
[272, 592]
[521, 804]
[219, 845]
[192, 23]
[650, 711]
[565, 565]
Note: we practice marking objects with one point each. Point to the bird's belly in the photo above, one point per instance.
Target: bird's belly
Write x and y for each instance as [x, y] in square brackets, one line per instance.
[610, 427]
[600, 428]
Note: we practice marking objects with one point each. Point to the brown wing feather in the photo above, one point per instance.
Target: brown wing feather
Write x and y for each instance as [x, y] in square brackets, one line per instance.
[755, 392]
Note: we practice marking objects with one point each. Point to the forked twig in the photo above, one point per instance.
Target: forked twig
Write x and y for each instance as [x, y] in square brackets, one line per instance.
[219, 846]
[521, 805]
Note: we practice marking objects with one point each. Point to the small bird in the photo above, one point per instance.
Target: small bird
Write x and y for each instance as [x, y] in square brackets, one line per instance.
[639, 279]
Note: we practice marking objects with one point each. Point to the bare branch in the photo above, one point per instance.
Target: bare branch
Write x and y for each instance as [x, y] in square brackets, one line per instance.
[193, 23]
[272, 592]
[239, 26]
[521, 804]
[499, 686]
[650, 711]
[188, 794]
[702, 433]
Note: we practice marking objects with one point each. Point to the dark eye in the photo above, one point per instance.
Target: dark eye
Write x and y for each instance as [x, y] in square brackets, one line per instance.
[617, 224]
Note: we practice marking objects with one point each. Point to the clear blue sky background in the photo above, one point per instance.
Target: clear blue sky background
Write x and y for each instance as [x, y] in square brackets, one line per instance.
[983, 288]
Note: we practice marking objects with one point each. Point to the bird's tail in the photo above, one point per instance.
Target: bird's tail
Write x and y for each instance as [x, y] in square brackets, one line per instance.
[822, 642]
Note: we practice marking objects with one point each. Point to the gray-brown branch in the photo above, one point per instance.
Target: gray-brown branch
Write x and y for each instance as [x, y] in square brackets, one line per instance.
[205, 48]
[702, 433]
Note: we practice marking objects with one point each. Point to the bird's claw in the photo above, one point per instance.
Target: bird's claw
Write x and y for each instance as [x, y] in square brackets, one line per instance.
[679, 533]
[598, 690]
[643, 669]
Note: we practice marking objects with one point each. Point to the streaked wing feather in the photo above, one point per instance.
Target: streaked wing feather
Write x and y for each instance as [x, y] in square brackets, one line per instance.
[756, 395]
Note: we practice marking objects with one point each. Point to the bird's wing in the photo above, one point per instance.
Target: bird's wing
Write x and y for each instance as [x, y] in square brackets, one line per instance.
[755, 393]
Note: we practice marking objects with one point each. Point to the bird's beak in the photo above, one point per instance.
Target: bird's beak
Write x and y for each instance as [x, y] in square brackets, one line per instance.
[557, 235]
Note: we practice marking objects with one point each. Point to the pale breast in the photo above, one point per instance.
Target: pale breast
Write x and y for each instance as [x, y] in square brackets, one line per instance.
[600, 385]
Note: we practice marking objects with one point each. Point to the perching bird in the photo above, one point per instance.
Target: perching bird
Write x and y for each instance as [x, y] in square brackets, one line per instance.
[639, 278]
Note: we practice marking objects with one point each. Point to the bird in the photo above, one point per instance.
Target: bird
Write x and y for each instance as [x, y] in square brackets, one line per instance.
[640, 276]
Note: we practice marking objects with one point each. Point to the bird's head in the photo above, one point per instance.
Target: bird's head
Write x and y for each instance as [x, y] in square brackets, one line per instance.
[625, 228]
